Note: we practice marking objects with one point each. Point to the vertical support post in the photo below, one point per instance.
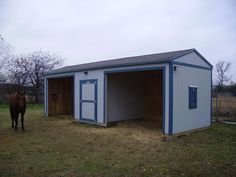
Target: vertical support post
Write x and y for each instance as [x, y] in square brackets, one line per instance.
[170, 98]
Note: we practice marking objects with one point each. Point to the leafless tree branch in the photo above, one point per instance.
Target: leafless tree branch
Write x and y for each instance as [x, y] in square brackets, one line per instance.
[30, 68]
[222, 69]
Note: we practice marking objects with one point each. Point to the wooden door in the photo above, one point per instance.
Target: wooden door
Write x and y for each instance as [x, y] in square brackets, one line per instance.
[61, 96]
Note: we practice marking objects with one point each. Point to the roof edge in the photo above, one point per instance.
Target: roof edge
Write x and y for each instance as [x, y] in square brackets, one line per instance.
[125, 65]
[102, 67]
[203, 58]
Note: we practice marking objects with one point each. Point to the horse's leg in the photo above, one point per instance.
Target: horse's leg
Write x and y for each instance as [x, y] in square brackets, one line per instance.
[22, 120]
[16, 120]
[12, 118]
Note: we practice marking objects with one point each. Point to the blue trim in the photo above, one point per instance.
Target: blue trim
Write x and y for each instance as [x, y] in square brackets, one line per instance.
[170, 98]
[190, 65]
[162, 68]
[90, 81]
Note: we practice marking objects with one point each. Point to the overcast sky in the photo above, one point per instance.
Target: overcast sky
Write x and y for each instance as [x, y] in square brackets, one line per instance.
[84, 30]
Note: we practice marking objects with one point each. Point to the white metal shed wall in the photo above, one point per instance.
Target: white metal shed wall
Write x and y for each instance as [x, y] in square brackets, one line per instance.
[185, 119]
[93, 74]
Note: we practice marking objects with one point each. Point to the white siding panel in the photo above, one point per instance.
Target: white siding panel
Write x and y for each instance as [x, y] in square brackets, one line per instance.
[185, 119]
[88, 92]
[192, 58]
[88, 110]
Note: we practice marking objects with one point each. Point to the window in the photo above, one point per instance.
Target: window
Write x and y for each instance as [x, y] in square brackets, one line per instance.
[192, 97]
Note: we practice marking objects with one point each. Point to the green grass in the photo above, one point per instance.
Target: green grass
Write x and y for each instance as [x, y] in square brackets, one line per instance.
[60, 147]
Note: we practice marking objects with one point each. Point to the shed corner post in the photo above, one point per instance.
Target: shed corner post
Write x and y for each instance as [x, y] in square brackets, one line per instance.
[170, 98]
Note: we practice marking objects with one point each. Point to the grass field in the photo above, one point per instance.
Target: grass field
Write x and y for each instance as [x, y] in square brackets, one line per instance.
[60, 147]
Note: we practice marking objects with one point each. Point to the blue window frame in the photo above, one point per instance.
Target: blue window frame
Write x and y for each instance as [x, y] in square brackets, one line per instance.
[192, 97]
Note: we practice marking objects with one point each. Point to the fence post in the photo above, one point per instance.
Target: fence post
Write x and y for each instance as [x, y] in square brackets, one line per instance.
[217, 104]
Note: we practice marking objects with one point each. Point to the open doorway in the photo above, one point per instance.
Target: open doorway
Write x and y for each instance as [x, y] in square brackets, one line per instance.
[61, 96]
[136, 95]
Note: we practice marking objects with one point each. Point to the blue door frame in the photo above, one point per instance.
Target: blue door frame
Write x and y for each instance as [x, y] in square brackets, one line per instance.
[89, 81]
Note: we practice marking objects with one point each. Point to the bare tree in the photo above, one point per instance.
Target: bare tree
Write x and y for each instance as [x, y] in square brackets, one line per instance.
[5, 50]
[3, 78]
[30, 69]
[222, 69]
[16, 73]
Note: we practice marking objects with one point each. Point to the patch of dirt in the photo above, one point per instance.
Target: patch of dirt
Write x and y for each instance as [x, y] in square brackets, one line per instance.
[135, 130]
[142, 131]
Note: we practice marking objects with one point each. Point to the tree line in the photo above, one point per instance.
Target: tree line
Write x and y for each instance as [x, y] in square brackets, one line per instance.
[26, 70]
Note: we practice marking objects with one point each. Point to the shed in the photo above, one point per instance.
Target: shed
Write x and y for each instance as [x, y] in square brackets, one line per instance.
[172, 89]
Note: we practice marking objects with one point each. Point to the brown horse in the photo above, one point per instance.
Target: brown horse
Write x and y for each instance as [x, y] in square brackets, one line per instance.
[17, 106]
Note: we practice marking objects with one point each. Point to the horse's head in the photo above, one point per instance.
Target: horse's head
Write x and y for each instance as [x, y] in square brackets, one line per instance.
[21, 97]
